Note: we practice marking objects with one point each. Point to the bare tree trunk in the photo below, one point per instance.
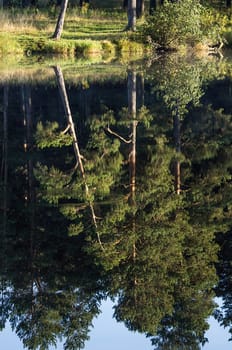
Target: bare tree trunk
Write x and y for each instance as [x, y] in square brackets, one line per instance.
[228, 3]
[60, 21]
[131, 15]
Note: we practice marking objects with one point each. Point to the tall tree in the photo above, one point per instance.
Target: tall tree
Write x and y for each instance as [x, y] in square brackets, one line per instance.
[140, 8]
[60, 21]
[131, 15]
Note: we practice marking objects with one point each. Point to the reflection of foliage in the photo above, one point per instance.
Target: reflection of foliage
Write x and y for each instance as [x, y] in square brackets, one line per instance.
[56, 184]
[49, 136]
[179, 84]
[158, 252]
[104, 159]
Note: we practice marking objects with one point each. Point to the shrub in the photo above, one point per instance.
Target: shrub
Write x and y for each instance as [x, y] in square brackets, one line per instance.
[174, 24]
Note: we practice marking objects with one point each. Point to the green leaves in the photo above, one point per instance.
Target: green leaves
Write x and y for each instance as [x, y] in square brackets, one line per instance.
[49, 136]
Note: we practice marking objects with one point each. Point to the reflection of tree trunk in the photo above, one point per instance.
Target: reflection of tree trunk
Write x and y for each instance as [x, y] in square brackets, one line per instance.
[132, 108]
[68, 114]
[30, 195]
[176, 122]
[132, 113]
[65, 102]
[131, 15]
[4, 207]
[5, 163]
[140, 90]
[60, 21]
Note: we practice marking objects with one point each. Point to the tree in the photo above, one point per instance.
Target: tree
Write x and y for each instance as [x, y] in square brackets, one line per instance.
[60, 20]
[139, 8]
[131, 15]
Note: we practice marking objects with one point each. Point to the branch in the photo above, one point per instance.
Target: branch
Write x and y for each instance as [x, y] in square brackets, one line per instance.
[117, 135]
[66, 130]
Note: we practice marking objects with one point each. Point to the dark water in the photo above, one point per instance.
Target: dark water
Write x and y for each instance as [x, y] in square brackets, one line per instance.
[116, 183]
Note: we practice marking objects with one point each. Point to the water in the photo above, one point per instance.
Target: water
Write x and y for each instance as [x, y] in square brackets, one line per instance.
[116, 185]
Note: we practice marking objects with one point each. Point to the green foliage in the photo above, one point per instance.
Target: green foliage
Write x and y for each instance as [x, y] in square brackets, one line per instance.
[183, 22]
[57, 185]
[49, 136]
[214, 26]
[174, 23]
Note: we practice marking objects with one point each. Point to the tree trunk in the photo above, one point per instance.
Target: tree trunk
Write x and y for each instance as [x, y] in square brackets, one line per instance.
[60, 21]
[131, 15]
[153, 6]
[140, 8]
[228, 3]
[125, 4]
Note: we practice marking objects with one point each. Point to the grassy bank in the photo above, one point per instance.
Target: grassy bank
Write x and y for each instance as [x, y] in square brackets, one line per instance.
[86, 33]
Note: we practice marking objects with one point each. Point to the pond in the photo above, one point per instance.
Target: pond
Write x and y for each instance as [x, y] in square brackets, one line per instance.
[116, 196]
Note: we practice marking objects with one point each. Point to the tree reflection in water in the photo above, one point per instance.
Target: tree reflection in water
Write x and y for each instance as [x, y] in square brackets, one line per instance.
[130, 201]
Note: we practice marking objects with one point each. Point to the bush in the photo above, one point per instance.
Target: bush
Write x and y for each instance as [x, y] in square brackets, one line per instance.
[176, 23]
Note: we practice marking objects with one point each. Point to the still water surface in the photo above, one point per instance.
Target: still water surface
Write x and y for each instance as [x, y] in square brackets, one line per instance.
[116, 184]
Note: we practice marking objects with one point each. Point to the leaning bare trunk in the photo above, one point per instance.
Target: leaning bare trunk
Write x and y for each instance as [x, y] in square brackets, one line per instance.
[65, 101]
[60, 21]
[131, 15]
[68, 114]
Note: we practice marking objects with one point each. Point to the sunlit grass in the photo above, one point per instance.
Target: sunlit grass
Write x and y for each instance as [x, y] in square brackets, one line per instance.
[84, 33]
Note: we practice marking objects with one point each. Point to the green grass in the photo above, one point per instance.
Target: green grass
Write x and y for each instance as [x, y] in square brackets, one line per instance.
[96, 31]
